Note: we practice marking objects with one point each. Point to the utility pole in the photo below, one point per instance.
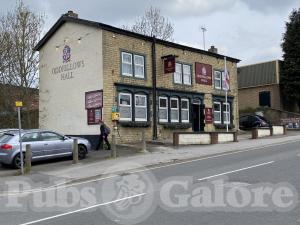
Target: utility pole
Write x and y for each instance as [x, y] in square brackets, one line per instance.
[203, 32]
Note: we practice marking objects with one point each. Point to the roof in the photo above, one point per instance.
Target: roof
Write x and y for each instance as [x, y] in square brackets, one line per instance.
[257, 74]
[65, 18]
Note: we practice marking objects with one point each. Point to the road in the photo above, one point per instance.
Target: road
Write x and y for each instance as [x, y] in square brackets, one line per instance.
[273, 167]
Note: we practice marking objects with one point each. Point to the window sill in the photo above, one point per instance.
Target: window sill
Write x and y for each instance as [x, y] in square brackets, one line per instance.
[176, 125]
[133, 77]
[134, 124]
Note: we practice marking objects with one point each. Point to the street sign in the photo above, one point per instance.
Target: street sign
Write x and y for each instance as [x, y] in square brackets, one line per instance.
[19, 104]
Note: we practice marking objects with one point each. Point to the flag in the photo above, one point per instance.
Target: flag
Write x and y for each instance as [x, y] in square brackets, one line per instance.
[226, 78]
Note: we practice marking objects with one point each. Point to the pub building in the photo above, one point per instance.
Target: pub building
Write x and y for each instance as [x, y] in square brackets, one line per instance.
[89, 70]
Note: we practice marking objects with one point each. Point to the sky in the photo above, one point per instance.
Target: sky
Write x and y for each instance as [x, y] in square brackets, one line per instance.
[250, 30]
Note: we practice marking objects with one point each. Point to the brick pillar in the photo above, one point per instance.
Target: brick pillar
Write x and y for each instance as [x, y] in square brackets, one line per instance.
[254, 133]
[235, 136]
[175, 139]
[214, 137]
[284, 130]
[271, 131]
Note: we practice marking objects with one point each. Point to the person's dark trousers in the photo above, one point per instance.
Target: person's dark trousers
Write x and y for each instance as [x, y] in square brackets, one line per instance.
[100, 143]
[106, 141]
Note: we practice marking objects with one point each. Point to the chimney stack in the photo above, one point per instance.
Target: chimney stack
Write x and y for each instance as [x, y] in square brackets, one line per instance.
[213, 49]
[70, 13]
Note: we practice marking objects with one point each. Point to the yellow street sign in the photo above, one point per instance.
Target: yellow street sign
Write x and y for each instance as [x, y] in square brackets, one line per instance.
[19, 104]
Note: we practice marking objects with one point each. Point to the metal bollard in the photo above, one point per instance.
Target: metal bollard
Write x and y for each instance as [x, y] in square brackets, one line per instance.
[113, 147]
[28, 156]
[75, 151]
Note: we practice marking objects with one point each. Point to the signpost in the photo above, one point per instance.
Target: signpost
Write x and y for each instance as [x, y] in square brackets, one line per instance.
[19, 104]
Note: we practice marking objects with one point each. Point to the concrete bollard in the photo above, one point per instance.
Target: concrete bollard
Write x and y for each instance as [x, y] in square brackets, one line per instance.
[113, 146]
[28, 156]
[144, 147]
[75, 151]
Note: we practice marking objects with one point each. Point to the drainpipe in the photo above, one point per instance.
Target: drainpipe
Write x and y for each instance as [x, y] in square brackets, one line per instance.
[154, 103]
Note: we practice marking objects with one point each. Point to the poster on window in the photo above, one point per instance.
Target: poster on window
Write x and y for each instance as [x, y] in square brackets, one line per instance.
[169, 64]
[203, 73]
[208, 115]
[94, 99]
[94, 116]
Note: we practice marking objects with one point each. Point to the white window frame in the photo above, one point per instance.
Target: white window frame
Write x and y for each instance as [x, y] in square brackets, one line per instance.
[141, 65]
[220, 106]
[129, 106]
[188, 110]
[180, 73]
[172, 120]
[185, 74]
[131, 64]
[219, 79]
[145, 107]
[226, 112]
[164, 108]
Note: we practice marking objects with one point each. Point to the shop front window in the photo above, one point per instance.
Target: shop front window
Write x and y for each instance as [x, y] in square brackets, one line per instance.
[163, 109]
[217, 113]
[185, 110]
[226, 113]
[174, 110]
[140, 108]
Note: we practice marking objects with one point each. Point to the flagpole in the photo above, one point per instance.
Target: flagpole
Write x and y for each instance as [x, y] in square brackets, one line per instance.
[226, 95]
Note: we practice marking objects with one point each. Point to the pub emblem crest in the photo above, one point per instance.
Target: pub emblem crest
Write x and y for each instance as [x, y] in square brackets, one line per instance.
[66, 54]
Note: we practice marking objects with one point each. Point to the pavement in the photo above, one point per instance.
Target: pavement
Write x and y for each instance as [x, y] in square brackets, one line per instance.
[265, 165]
[58, 172]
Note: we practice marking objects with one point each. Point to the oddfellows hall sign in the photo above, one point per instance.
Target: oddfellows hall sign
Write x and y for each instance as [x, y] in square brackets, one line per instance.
[67, 69]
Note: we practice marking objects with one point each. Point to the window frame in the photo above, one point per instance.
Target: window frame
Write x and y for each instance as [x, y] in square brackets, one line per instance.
[228, 111]
[141, 65]
[177, 100]
[219, 79]
[188, 110]
[182, 74]
[122, 105]
[163, 108]
[220, 105]
[131, 64]
[146, 107]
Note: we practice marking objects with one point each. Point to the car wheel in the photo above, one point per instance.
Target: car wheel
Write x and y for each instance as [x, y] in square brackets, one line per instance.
[81, 152]
[17, 161]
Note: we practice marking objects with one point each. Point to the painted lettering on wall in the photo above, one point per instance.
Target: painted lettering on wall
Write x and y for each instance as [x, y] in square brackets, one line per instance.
[67, 69]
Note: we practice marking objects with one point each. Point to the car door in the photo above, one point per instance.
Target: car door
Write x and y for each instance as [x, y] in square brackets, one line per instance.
[55, 145]
[37, 146]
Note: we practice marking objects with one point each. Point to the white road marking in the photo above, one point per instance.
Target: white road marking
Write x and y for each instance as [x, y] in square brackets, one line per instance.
[234, 171]
[138, 171]
[80, 210]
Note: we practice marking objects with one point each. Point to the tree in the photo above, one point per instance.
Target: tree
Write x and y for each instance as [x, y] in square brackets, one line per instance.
[152, 23]
[20, 31]
[290, 78]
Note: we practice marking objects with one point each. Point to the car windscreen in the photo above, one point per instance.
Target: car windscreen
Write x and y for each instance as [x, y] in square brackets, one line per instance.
[5, 137]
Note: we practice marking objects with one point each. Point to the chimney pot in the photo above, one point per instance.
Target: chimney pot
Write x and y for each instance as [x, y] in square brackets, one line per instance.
[70, 13]
[213, 49]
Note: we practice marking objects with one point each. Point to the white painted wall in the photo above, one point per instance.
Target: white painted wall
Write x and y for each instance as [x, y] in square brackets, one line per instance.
[278, 130]
[222, 138]
[194, 139]
[263, 132]
[62, 102]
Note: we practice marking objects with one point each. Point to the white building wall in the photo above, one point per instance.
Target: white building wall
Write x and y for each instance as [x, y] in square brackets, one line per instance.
[62, 100]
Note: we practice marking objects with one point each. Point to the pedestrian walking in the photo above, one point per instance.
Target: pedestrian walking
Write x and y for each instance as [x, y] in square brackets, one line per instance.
[104, 132]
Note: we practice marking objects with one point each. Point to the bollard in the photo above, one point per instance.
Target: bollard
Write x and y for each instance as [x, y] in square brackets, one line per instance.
[75, 151]
[113, 146]
[143, 142]
[28, 156]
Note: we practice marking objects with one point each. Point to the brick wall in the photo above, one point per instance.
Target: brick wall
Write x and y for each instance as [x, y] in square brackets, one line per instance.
[112, 46]
[249, 97]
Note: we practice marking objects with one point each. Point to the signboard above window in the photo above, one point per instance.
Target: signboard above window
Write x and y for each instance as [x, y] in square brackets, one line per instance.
[94, 99]
[169, 64]
[203, 73]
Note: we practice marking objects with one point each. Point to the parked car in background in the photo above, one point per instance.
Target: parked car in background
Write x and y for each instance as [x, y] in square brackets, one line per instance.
[250, 121]
[44, 144]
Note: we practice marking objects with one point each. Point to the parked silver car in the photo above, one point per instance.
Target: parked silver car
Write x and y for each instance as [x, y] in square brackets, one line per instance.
[44, 144]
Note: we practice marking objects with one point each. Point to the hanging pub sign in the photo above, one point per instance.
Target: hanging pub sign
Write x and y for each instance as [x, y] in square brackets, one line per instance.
[208, 115]
[169, 64]
[94, 116]
[203, 73]
[94, 99]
